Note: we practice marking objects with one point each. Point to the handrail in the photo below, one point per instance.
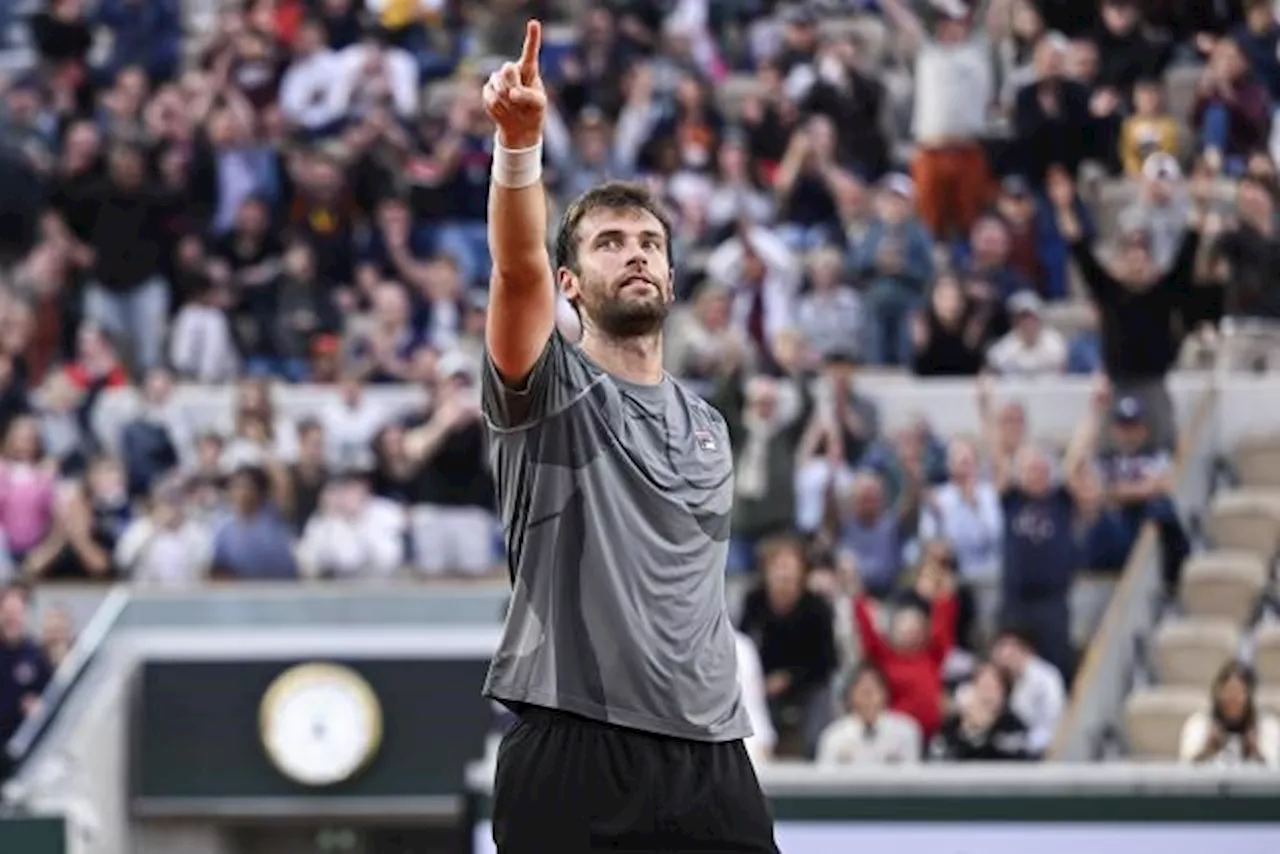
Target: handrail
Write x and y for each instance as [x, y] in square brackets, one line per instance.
[68, 673]
[1140, 559]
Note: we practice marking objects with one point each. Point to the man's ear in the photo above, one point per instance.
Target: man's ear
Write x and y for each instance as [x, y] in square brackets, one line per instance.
[567, 282]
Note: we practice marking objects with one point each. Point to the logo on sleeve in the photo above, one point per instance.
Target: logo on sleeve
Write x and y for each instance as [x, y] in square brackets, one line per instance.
[705, 439]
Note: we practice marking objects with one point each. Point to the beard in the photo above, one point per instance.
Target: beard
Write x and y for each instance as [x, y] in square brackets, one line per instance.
[619, 316]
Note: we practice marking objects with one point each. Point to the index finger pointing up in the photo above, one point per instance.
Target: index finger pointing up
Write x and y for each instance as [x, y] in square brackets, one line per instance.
[529, 53]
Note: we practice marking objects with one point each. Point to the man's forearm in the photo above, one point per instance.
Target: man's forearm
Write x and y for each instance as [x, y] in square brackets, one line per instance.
[517, 231]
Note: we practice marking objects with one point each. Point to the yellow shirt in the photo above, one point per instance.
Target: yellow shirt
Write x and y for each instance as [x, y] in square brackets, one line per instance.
[1140, 137]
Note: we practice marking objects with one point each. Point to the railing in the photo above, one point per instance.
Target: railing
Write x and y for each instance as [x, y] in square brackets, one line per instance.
[67, 676]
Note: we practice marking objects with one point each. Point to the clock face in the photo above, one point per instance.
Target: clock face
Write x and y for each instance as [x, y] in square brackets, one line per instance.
[321, 723]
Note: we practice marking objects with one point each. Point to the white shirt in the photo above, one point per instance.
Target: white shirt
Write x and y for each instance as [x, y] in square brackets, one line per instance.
[1198, 728]
[894, 740]
[310, 94]
[751, 682]
[371, 545]
[349, 430]
[165, 557]
[954, 87]
[201, 345]
[974, 531]
[402, 78]
[1038, 698]
[781, 279]
[1012, 356]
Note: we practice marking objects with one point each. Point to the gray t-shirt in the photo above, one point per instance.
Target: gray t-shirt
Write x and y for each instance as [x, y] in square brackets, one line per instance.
[615, 501]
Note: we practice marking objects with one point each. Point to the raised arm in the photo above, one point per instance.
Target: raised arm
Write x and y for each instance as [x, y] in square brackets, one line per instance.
[522, 297]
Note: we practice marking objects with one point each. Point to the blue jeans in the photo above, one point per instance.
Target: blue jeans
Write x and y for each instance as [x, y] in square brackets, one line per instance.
[136, 317]
[888, 332]
[1108, 542]
[1174, 545]
[1215, 132]
[293, 370]
[468, 243]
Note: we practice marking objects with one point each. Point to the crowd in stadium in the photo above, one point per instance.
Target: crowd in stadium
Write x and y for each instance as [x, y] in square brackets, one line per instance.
[279, 192]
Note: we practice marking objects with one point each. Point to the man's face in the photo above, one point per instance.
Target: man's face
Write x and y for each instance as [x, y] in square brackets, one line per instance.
[13, 616]
[623, 284]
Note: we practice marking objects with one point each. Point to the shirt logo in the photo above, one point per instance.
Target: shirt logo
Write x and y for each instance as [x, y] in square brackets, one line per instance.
[706, 442]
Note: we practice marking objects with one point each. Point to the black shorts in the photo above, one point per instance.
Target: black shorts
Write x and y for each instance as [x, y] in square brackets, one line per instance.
[570, 785]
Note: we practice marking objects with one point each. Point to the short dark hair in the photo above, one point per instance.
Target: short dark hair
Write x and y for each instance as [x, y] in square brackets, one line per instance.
[612, 195]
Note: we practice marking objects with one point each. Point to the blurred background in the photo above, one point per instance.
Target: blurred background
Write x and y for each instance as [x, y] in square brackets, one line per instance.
[986, 292]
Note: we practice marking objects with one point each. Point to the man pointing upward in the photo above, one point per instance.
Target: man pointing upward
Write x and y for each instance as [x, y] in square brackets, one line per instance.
[615, 486]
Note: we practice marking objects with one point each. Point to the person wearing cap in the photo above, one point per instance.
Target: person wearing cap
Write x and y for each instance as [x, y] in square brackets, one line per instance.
[1161, 211]
[954, 86]
[896, 258]
[1139, 482]
[1031, 348]
[1137, 304]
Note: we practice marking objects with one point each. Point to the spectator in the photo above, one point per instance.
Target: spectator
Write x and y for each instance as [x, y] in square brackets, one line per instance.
[792, 629]
[983, 728]
[762, 274]
[1137, 303]
[949, 335]
[966, 515]
[452, 525]
[24, 668]
[953, 88]
[27, 491]
[830, 315]
[1149, 131]
[1031, 348]
[1051, 116]
[869, 732]
[168, 546]
[868, 530]
[1231, 109]
[835, 441]
[1040, 547]
[921, 634]
[1234, 731]
[1139, 480]
[702, 345]
[1258, 36]
[302, 482]
[354, 534]
[128, 294]
[1242, 259]
[1084, 351]
[254, 543]
[1039, 694]
[766, 418]
[896, 258]
[1162, 211]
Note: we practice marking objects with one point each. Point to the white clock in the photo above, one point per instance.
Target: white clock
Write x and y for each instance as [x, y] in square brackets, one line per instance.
[320, 724]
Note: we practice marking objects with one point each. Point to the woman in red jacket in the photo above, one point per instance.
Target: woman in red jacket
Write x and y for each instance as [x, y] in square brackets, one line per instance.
[912, 656]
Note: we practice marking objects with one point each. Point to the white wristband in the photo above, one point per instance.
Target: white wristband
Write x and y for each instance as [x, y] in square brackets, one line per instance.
[516, 168]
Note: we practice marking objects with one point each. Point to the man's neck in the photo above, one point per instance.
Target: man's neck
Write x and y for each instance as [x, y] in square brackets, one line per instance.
[636, 360]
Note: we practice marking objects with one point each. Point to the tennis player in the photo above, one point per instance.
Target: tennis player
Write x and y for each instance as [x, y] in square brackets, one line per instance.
[615, 486]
